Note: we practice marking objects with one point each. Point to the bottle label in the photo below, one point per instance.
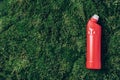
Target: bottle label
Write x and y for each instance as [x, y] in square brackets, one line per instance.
[91, 31]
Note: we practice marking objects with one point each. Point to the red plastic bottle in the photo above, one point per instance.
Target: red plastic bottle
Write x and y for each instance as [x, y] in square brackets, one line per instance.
[93, 55]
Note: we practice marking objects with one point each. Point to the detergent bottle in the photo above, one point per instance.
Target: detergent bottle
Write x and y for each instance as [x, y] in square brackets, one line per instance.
[93, 41]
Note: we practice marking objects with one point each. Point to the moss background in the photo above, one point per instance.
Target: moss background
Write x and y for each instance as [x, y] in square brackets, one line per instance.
[45, 39]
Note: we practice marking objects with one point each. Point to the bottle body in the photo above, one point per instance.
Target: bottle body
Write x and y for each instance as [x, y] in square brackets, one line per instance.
[93, 55]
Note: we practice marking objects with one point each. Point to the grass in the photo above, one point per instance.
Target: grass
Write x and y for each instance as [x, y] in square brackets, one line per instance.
[46, 39]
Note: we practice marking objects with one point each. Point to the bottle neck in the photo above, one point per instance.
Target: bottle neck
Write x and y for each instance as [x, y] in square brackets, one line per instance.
[94, 20]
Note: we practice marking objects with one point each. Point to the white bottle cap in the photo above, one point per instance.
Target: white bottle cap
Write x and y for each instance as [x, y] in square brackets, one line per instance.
[95, 16]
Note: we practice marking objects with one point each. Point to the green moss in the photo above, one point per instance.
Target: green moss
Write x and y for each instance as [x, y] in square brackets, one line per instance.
[45, 39]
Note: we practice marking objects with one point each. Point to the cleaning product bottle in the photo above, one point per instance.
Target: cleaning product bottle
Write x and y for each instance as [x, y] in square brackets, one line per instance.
[93, 55]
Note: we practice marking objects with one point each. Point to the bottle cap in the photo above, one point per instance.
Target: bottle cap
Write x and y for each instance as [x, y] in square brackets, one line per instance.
[95, 16]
